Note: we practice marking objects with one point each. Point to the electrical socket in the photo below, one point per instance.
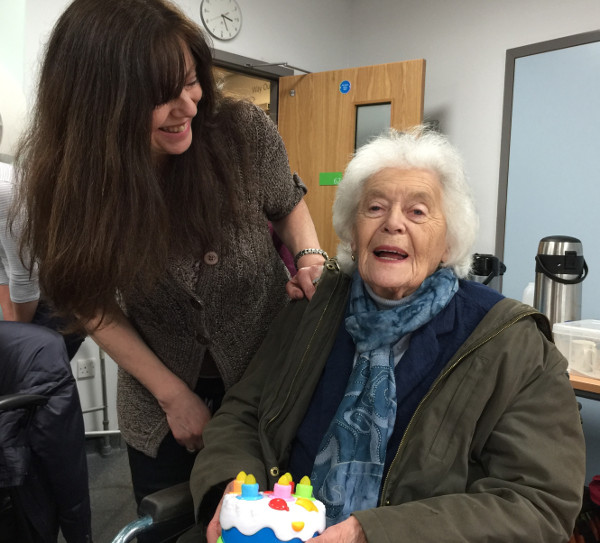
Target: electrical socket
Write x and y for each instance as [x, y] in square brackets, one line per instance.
[85, 369]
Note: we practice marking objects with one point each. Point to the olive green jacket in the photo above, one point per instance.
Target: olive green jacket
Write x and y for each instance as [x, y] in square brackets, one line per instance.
[494, 451]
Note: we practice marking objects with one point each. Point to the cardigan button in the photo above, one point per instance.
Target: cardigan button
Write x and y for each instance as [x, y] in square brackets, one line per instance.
[274, 471]
[211, 258]
[196, 304]
[201, 339]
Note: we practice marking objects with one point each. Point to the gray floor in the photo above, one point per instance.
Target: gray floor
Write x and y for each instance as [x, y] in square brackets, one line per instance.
[111, 494]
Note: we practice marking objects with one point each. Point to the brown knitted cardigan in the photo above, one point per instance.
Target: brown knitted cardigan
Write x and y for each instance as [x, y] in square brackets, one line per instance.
[224, 307]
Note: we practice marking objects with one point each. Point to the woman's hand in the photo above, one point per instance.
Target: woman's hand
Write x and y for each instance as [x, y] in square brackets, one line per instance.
[297, 232]
[213, 530]
[347, 531]
[186, 413]
[187, 416]
[304, 282]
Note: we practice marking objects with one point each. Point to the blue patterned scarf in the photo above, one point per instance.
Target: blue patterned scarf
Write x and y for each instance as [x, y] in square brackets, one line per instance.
[349, 465]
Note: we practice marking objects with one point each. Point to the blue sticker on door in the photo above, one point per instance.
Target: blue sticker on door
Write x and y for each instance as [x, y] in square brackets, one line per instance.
[345, 87]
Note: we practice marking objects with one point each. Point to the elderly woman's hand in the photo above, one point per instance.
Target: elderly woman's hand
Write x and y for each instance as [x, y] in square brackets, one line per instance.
[347, 531]
[213, 529]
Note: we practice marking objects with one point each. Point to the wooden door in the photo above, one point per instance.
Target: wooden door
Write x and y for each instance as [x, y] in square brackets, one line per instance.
[317, 121]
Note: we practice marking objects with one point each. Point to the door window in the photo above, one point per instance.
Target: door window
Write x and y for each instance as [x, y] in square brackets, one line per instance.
[371, 120]
[241, 86]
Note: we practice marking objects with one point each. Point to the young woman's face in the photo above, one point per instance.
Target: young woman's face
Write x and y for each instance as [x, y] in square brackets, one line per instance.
[171, 122]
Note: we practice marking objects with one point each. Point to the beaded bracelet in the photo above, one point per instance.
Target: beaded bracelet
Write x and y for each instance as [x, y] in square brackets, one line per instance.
[310, 252]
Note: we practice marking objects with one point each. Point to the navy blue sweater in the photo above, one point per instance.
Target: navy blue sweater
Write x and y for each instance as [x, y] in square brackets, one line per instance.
[430, 348]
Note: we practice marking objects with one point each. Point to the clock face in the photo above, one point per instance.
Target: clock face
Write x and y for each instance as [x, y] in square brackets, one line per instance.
[222, 18]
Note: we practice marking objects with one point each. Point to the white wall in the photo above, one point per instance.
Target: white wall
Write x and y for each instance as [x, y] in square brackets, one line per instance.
[309, 34]
[90, 390]
[464, 43]
[12, 97]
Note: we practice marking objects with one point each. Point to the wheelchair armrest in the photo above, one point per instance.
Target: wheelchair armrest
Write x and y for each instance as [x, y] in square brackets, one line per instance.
[169, 503]
[18, 401]
[165, 513]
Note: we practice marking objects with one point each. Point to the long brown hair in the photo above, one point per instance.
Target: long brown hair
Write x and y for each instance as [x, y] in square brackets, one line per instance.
[101, 220]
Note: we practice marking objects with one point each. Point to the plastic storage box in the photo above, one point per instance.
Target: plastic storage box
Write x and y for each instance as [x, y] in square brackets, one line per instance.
[579, 341]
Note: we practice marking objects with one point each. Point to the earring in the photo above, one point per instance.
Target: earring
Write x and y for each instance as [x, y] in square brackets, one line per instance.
[352, 257]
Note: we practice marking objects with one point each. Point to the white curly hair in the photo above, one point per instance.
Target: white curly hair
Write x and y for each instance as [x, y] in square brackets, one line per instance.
[419, 148]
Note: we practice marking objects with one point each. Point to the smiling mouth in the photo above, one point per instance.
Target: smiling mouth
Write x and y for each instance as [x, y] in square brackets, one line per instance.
[174, 129]
[387, 254]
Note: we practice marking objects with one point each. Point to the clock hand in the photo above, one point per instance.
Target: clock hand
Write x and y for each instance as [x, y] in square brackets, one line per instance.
[225, 17]
[225, 21]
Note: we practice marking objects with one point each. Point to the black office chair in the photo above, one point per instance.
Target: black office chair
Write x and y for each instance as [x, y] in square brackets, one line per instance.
[43, 466]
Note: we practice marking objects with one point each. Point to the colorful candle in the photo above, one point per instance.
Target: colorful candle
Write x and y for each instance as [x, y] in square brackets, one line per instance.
[238, 481]
[283, 488]
[250, 489]
[304, 488]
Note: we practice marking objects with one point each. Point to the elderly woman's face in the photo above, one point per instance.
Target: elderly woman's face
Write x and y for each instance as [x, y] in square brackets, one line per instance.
[400, 233]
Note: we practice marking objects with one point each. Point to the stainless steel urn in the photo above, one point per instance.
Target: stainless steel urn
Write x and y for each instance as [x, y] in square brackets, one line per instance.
[560, 269]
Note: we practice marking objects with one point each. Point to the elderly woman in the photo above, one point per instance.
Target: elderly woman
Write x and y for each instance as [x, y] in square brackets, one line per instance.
[426, 407]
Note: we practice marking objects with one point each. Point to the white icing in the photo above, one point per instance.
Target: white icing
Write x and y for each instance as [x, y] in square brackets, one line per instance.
[250, 516]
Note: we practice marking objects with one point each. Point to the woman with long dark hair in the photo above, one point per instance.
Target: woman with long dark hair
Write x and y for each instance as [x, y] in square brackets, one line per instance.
[147, 198]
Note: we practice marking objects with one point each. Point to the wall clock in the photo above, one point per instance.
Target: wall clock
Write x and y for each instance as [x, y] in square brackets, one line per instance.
[222, 18]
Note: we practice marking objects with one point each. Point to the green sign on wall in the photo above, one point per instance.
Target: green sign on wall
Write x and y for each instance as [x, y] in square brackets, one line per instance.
[330, 178]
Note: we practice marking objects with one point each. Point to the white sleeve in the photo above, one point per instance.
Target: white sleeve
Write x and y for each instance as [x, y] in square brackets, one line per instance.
[22, 285]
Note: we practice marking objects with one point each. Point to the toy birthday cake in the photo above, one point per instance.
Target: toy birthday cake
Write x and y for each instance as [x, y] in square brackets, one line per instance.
[289, 513]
